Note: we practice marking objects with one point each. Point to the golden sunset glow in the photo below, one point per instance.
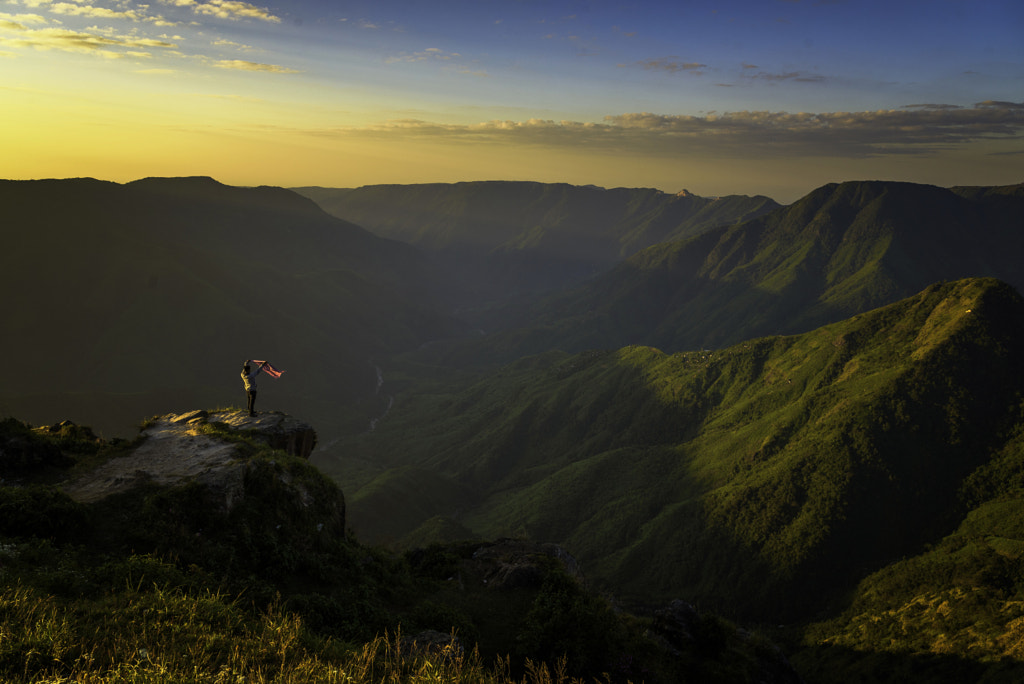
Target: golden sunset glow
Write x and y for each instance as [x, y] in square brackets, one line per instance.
[774, 98]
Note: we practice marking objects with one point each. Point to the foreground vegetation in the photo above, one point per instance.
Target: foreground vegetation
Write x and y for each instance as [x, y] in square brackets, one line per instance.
[163, 584]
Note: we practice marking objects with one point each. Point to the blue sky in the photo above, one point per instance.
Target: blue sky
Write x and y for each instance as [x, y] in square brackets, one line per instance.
[773, 96]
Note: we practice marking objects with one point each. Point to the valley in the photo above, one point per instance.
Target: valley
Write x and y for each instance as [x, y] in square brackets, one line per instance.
[807, 415]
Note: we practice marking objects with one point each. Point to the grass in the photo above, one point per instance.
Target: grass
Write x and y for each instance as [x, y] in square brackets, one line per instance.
[142, 635]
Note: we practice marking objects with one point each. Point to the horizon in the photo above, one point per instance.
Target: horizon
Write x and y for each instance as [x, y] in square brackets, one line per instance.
[743, 97]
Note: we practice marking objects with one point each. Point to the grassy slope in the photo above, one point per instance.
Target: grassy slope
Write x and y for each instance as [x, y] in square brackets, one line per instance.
[736, 476]
[958, 601]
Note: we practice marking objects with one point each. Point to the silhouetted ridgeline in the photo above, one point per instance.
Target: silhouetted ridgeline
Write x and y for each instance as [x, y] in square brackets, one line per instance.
[507, 236]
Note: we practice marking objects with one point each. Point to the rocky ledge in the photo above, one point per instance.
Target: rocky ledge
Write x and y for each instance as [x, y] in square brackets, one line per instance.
[178, 448]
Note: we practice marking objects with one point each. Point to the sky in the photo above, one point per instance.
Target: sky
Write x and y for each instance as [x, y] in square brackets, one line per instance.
[773, 97]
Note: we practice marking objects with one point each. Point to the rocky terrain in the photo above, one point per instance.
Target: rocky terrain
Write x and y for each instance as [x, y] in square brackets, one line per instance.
[180, 447]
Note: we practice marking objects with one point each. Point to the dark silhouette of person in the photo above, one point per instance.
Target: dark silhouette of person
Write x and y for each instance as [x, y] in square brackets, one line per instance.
[249, 380]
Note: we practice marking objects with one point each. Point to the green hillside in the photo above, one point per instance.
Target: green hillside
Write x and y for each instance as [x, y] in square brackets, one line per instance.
[952, 612]
[147, 296]
[765, 479]
[505, 236]
[842, 249]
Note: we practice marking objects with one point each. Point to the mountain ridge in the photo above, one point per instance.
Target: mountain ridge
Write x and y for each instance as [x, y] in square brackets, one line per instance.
[842, 249]
[529, 236]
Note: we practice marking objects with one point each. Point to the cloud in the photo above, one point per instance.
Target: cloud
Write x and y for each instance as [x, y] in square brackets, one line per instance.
[20, 21]
[79, 10]
[747, 134]
[231, 9]
[430, 54]
[670, 64]
[798, 76]
[232, 44]
[243, 65]
[226, 9]
[452, 60]
[66, 40]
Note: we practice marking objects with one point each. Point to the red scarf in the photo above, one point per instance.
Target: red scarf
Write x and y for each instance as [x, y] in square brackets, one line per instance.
[268, 369]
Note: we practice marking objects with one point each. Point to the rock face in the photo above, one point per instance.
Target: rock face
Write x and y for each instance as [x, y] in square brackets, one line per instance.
[277, 430]
[178, 448]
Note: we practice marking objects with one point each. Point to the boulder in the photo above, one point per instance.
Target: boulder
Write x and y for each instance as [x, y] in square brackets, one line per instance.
[515, 564]
[177, 450]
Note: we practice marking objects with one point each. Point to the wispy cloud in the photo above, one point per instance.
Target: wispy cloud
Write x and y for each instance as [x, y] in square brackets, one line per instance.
[797, 76]
[671, 64]
[104, 40]
[916, 129]
[243, 65]
[452, 60]
[110, 45]
[20, 21]
[93, 12]
[226, 9]
[430, 54]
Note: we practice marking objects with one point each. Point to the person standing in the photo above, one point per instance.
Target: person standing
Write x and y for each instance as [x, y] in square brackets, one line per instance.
[249, 381]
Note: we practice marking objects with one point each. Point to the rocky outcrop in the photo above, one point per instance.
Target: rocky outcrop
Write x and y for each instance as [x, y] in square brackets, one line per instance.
[275, 429]
[512, 564]
[194, 447]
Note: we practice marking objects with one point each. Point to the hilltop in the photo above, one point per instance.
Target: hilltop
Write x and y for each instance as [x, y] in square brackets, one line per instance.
[208, 547]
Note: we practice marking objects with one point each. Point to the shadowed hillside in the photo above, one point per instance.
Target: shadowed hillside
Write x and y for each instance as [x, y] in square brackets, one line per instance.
[508, 237]
[118, 297]
[765, 479]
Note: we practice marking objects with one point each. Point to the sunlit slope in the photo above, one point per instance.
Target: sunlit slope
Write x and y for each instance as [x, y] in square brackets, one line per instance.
[958, 601]
[765, 478]
[842, 249]
[167, 285]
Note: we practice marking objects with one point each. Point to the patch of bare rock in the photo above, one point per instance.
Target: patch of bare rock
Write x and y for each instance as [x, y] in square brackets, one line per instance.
[176, 449]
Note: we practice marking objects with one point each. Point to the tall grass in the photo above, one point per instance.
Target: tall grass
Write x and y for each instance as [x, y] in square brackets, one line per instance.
[169, 636]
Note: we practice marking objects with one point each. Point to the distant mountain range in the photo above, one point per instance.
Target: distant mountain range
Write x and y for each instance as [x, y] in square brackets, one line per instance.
[842, 249]
[508, 237]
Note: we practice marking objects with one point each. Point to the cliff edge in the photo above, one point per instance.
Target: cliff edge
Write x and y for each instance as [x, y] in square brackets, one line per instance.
[196, 446]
